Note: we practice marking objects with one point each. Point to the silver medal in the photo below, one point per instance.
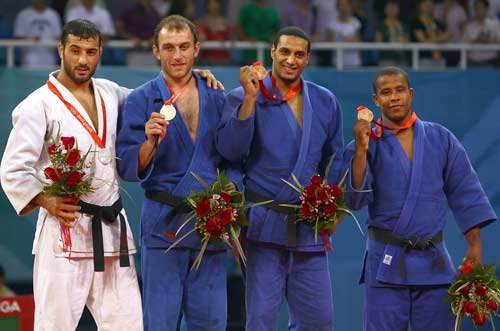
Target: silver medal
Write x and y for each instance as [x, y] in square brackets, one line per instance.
[105, 156]
[168, 111]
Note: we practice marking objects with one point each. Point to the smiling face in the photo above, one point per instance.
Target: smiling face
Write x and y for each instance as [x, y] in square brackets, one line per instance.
[79, 57]
[290, 56]
[393, 96]
[176, 51]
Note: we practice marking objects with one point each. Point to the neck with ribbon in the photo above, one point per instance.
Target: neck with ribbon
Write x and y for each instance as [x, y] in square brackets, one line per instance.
[100, 141]
[408, 124]
[174, 96]
[273, 95]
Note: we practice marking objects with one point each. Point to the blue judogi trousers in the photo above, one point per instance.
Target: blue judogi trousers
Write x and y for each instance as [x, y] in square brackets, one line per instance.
[396, 308]
[274, 273]
[169, 287]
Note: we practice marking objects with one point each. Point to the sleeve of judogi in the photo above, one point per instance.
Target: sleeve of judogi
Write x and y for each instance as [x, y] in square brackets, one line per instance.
[335, 145]
[464, 192]
[131, 135]
[233, 169]
[234, 136]
[357, 198]
[23, 150]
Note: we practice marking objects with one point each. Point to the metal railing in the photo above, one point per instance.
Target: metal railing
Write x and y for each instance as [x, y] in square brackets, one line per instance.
[263, 47]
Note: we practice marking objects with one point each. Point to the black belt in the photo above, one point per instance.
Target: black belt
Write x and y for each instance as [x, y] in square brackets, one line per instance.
[291, 212]
[180, 204]
[109, 213]
[387, 237]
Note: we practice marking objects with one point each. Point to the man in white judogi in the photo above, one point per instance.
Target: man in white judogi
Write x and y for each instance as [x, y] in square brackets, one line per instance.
[99, 274]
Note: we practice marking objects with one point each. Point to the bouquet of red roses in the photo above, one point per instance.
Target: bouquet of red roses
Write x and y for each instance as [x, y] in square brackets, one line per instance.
[475, 293]
[67, 175]
[322, 204]
[219, 213]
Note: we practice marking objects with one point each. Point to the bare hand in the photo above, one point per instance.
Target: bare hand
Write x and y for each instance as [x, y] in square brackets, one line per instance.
[249, 81]
[64, 209]
[156, 126]
[212, 82]
[474, 255]
[362, 131]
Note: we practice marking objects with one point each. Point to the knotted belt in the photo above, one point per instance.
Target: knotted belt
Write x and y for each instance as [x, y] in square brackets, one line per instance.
[387, 237]
[108, 213]
[180, 205]
[291, 229]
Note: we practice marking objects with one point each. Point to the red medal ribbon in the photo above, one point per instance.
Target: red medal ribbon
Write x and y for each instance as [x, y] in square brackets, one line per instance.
[174, 96]
[290, 94]
[101, 142]
[380, 126]
[325, 234]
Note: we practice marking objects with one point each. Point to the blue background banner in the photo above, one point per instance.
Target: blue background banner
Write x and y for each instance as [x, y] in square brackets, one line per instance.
[467, 102]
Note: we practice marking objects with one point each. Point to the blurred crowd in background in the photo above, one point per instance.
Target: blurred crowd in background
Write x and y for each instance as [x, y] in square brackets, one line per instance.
[434, 21]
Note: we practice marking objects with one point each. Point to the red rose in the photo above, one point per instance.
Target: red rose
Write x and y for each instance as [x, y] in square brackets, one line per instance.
[480, 290]
[306, 210]
[310, 191]
[323, 193]
[213, 227]
[203, 207]
[465, 290]
[466, 268]
[51, 174]
[74, 178]
[225, 216]
[492, 305]
[330, 208]
[225, 196]
[479, 319]
[68, 142]
[73, 157]
[470, 307]
[336, 191]
[52, 149]
[316, 180]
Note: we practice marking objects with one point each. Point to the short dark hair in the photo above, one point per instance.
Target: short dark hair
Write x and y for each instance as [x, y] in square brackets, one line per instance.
[486, 3]
[84, 29]
[389, 71]
[177, 23]
[292, 31]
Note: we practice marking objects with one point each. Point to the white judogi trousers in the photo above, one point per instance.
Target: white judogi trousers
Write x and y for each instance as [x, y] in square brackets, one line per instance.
[63, 286]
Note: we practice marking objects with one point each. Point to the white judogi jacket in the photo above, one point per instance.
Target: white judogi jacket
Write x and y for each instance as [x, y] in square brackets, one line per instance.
[36, 120]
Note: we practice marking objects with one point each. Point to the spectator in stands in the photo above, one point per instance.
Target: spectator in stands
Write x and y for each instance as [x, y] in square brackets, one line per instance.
[38, 22]
[346, 28]
[137, 23]
[392, 30]
[214, 26]
[324, 12]
[162, 7]
[5, 291]
[452, 16]
[482, 30]
[257, 21]
[300, 13]
[426, 29]
[183, 8]
[100, 16]
[68, 4]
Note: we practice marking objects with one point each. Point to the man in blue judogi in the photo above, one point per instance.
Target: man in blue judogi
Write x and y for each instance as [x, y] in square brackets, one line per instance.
[277, 126]
[161, 152]
[409, 173]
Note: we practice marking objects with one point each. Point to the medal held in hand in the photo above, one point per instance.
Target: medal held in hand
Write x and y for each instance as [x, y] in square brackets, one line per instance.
[260, 70]
[364, 114]
[168, 110]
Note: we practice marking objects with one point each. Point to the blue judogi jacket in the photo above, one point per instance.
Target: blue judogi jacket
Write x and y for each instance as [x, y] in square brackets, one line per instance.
[411, 199]
[273, 146]
[174, 160]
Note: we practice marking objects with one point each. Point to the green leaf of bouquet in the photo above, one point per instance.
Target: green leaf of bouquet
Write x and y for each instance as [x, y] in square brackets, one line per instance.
[202, 182]
[236, 243]
[350, 213]
[180, 239]
[296, 188]
[189, 217]
[199, 258]
[329, 166]
[296, 180]
[342, 180]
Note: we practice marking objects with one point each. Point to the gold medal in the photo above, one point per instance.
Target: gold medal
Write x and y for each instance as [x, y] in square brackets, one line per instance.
[364, 114]
[261, 71]
[168, 111]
